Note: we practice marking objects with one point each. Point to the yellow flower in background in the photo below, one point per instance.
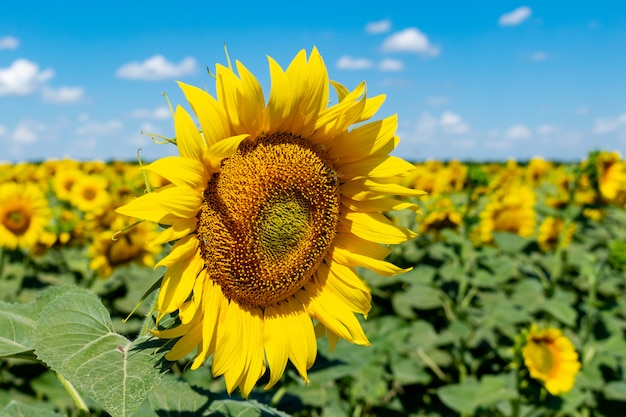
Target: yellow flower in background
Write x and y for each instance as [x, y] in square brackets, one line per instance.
[439, 215]
[64, 180]
[550, 231]
[109, 251]
[537, 169]
[24, 213]
[512, 209]
[89, 194]
[272, 206]
[551, 358]
[611, 175]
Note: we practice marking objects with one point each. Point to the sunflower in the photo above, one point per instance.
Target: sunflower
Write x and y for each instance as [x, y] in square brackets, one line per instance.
[108, 252]
[272, 206]
[550, 231]
[89, 194]
[24, 214]
[551, 358]
[440, 214]
[512, 209]
[66, 176]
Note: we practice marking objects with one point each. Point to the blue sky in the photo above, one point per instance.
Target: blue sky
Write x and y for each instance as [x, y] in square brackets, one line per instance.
[490, 80]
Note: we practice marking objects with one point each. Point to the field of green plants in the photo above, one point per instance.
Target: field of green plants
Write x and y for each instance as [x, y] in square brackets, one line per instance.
[513, 306]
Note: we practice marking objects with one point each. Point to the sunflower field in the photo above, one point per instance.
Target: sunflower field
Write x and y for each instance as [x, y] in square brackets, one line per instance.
[281, 261]
[512, 307]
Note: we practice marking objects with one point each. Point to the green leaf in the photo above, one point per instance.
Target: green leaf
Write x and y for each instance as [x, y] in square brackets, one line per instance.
[465, 398]
[18, 409]
[615, 390]
[241, 408]
[420, 297]
[75, 337]
[17, 323]
[174, 398]
[510, 242]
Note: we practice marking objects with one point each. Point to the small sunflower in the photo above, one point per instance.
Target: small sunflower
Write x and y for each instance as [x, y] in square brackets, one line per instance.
[90, 195]
[550, 231]
[272, 206]
[512, 209]
[551, 358]
[108, 251]
[440, 214]
[24, 214]
[64, 179]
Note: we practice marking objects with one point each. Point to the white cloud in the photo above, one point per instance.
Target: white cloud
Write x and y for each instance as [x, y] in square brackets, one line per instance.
[62, 95]
[410, 40]
[3, 131]
[609, 124]
[94, 128]
[381, 26]
[437, 101]
[9, 42]
[23, 77]
[518, 132]
[27, 131]
[156, 68]
[348, 63]
[515, 17]
[452, 123]
[390, 64]
[159, 113]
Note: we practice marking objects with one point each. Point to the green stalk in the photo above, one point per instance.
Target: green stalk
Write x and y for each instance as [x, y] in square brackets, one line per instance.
[83, 410]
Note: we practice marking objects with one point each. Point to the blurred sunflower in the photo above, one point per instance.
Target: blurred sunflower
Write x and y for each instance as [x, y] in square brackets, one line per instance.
[512, 209]
[272, 206]
[108, 252]
[89, 194]
[440, 214]
[24, 213]
[64, 180]
[550, 231]
[611, 175]
[551, 358]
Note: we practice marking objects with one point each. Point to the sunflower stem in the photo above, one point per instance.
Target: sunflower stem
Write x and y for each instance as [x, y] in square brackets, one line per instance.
[83, 410]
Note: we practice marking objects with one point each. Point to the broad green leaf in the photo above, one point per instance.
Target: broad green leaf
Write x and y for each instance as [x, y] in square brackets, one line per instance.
[241, 408]
[75, 337]
[467, 397]
[417, 296]
[510, 242]
[615, 390]
[18, 409]
[17, 323]
[174, 398]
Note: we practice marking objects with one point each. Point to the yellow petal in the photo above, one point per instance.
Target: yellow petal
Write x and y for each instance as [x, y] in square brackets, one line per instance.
[209, 112]
[380, 205]
[212, 301]
[180, 171]
[177, 230]
[362, 141]
[222, 149]
[280, 102]
[164, 205]
[276, 341]
[188, 139]
[255, 366]
[348, 258]
[228, 90]
[374, 227]
[381, 167]
[357, 299]
[184, 248]
[251, 101]
[326, 307]
[185, 344]
[364, 189]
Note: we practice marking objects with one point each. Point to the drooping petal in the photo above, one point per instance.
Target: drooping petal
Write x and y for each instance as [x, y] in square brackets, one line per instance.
[164, 205]
[374, 227]
[180, 171]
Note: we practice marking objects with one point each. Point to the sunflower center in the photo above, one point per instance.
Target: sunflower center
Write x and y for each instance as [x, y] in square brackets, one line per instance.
[281, 225]
[268, 219]
[16, 221]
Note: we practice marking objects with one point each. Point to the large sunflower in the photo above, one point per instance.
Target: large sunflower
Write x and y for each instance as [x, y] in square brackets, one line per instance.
[551, 358]
[272, 206]
[24, 213]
